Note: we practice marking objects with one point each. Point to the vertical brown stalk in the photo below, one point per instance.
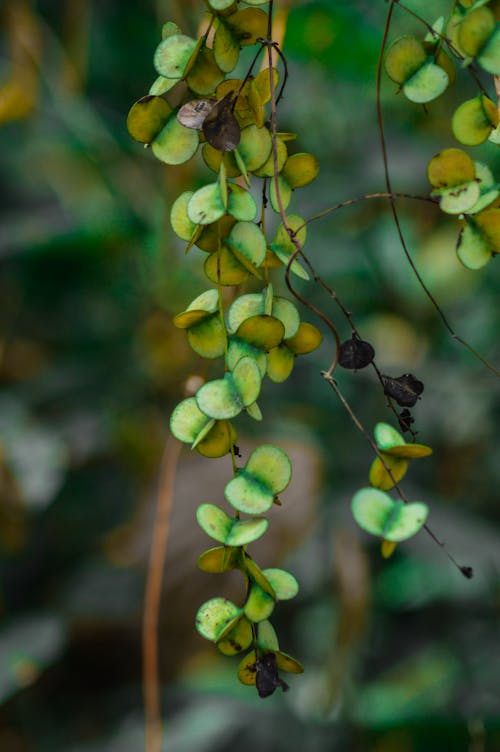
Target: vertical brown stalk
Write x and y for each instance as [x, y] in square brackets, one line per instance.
[150, 636]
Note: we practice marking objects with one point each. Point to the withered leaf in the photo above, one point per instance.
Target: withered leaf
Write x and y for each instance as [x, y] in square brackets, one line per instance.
[355, 353]
[404, 389]
[193, 113]
[405, 420]
[267, 679]
[220, 127]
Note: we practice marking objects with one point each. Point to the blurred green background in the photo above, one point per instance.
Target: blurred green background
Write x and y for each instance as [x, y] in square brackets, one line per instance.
[400, 655]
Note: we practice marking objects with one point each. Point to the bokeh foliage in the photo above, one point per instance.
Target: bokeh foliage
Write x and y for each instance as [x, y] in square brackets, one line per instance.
[403, 653]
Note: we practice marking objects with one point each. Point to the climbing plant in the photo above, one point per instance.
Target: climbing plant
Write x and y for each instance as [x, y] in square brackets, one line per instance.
[256, 169]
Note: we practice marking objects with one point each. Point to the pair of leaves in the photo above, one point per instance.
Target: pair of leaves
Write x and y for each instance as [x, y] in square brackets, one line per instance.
[378, 514]
[266, 474]
[396, 453]
[412, 64]
[210, 437]
[462, 186]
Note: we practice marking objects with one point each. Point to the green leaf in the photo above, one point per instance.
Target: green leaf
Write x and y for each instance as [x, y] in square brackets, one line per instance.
[248, 239]
[238, 639]
[216, 618]
[283, 583]
[175, 144]
[206, 205]
[225, 398]
[173, 54]
[219, 526]
[259, 605]
[266, 474]
[219, 559]
[428, 83]
[378, 514]
[147, 117]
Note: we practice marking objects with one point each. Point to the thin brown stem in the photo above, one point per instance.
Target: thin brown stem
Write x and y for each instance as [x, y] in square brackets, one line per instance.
[151, 679]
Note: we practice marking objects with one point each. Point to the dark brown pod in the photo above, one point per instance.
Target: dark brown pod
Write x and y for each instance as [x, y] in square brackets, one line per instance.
[355, 354]
[220, 127]
[267, 679]
[404, 389]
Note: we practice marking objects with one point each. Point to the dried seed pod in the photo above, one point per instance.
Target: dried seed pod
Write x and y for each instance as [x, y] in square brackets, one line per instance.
[220, 127]
[193, 113]
[355, 354]
[267, 679]
[405, 389]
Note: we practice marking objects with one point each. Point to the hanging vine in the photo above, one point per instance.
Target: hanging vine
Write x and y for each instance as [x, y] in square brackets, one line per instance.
[259, 334]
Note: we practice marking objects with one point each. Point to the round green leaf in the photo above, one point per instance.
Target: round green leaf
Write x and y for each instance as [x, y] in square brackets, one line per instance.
[183, 227]
[224, 268]
[257, 575]
[255, 147]
[300, 169]
[221, 4]
[474, 120]
[387, 437]
[247, 670]
[238, 639]
[267, 169]
[404, 58]
[248, 239]
[173, 54]
[428, 83]
[239, 349]
[262, 332]
[213, 158]
[225, 398]
[212, 236]
[285, 662]
[489, 57]
[161, 85]
[248, 25]
[226, 48]
[283, 583]
[246, 494]
[259, 605]
[214, 616]
[247, 380]
[473, 249]
[205, 205]
[205, 75]
[218, 441]
[208, 337]
[450, 168]
[285, 193]
[287, 313]
[475, 30]
[187, 421]
[219, 526]
[280, 363]
[270, 466]
[219, 559]
[459, 199]
[214, 521]
[266, 637]
[377, 513]
[175, 144]
[410, 451]
[241, 203]
[307, 339]
[380, 478]
[147, 117]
